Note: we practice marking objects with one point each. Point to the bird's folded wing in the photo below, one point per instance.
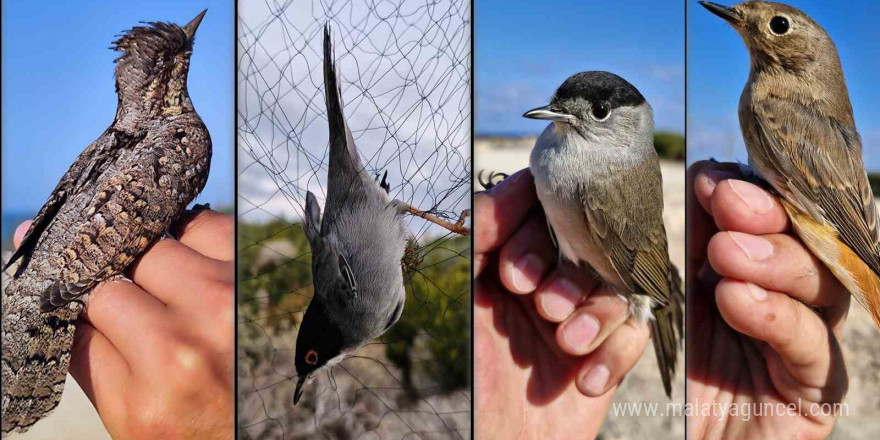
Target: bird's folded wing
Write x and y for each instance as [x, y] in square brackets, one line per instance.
[90, 163]
[625, 210]
[128, 211]
[819, 164]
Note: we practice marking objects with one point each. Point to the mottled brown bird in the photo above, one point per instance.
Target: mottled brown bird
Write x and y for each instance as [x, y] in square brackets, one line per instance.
[799, 130]
[117, 198]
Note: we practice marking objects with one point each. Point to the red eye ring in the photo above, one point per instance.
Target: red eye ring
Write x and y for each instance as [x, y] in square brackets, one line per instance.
[312, 357]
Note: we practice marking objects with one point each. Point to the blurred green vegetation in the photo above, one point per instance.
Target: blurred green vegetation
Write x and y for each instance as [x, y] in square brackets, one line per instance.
[430, 343]
[874, 178]
[438, 308]
[669, 145]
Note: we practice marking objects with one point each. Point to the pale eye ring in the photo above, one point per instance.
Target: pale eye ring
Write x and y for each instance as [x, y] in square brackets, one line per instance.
[600, 112]
[312, 357]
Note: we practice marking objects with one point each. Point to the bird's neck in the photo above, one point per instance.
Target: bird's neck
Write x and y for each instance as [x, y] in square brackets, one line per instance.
[152, 97]
[821, 88]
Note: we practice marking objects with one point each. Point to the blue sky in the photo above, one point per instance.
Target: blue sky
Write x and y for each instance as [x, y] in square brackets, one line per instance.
[718, 67]
[58, 92]
[525, 49]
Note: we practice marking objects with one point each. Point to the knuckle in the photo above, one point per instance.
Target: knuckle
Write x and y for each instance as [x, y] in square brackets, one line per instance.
[219, 293]
[188, 362]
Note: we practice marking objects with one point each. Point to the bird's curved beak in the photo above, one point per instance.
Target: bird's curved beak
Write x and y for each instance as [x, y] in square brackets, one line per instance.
[299, 388]
[729, 15]
[193, 25]
[548, 113]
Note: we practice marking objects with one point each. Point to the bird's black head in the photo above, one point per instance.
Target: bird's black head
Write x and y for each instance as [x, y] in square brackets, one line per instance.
[152, 70]
[597, 102]
[318, 342]
[585, 95]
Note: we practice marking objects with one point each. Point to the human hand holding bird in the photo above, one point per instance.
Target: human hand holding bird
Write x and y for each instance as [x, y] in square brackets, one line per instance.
[156, 354]
[767, 312]
[535, 342]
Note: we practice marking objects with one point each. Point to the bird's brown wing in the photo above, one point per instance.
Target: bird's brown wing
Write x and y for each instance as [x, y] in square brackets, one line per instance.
[819, 169]
[90, 163]
[625, 212]
[128, 211]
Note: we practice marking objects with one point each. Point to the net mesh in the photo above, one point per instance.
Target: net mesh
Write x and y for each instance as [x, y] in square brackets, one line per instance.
[404, 71]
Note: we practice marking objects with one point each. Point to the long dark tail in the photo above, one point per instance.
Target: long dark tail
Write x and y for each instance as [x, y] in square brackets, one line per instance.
[345, 164]
[36, 355]
[668, 328]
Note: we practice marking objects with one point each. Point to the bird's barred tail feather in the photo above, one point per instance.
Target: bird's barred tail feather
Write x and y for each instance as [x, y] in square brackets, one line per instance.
[36, 353]
[667, 329]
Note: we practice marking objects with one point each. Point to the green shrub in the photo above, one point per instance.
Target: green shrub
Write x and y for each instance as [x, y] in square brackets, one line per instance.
[874, 178]
[669, 145]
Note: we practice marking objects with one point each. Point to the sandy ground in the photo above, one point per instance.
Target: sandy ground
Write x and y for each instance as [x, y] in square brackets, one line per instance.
[860, 341]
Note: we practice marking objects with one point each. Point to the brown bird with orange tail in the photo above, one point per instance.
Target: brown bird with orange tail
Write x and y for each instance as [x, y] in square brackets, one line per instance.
[798, 126]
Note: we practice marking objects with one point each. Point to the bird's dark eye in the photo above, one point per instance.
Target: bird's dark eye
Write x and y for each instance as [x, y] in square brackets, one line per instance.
[779, 25]
[312, 357]
[600, 112]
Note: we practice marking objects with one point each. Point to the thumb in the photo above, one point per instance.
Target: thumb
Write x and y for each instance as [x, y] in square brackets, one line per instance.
[20, 231]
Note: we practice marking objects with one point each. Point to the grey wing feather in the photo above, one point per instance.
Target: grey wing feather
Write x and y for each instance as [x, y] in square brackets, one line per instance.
[313, 217]
[819, 163]
[629, 228]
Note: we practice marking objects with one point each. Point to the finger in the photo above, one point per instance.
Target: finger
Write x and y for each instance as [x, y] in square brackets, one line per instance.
[562, 291]
[527, 256]
[776, 262]
[706, 175]
[588, 326]
[209, 233]
[99, 369]
[794, 331]
[741, 206]
[605, 368]
[127, 316]
[177, 274]
[832, 389]
[20, 232]
[701, 226]
[500, 211]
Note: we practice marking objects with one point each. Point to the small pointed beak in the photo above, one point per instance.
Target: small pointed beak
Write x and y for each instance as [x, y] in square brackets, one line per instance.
[299, 388]
[548, 114]
[193, 25]
[729, 15]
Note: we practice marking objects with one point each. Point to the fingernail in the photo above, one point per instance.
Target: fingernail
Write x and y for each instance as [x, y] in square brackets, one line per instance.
[526, 272]
[755, 248]
[560, 298]
[757, 291]
[596, 379]
[580, 331]
[755, 198]
[712, 177]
